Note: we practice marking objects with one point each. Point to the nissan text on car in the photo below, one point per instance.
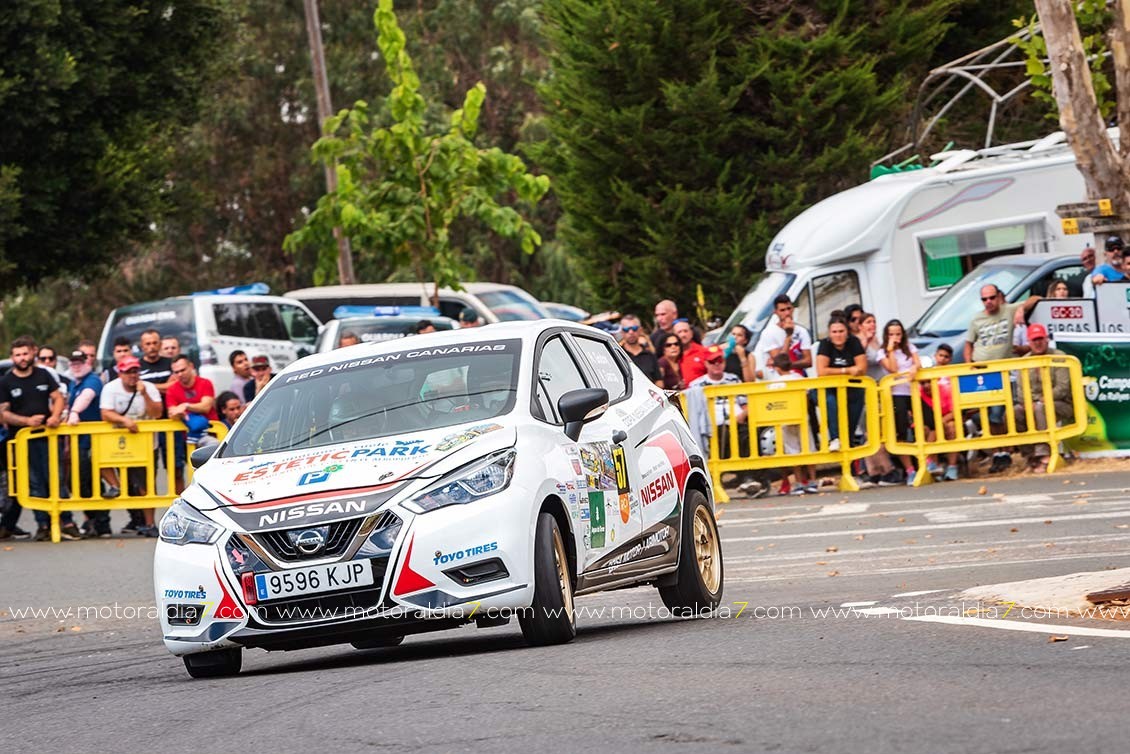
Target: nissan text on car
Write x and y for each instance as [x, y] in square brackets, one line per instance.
[429, 482]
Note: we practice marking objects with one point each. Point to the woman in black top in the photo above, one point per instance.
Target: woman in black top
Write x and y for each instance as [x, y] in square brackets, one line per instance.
[669, 363]
[840, 354]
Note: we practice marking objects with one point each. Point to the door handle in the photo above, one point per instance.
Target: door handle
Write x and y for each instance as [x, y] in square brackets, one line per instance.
[619, 436]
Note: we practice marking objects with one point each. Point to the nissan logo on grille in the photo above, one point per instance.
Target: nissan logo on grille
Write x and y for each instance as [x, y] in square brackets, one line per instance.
[309, 541]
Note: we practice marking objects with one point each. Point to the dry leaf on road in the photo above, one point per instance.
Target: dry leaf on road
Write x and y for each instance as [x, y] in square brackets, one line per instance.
[1054, 638]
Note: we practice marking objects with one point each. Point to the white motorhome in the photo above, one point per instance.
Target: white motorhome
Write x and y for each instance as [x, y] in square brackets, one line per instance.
[897, 242]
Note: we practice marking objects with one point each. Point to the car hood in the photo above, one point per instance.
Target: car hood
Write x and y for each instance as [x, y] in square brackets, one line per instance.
[365, 467]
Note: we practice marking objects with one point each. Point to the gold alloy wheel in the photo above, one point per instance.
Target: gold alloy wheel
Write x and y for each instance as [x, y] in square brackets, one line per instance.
[563, 580]
[706, 549]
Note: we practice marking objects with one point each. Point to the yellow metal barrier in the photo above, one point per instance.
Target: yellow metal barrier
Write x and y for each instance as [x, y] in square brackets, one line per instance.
[977, 388]
[110, 448]
[782, 406]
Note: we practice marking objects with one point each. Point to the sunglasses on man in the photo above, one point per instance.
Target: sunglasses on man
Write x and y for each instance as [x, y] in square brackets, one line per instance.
[630, 328]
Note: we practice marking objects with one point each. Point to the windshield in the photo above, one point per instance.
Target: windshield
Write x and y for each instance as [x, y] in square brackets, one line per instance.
[403, 392]
[386, 328]
[753, 311]
[171, 318]
[511, 306]
[951, 314]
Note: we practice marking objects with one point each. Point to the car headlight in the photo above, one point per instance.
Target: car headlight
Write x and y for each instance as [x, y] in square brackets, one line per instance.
[183, 525]
[466, 484]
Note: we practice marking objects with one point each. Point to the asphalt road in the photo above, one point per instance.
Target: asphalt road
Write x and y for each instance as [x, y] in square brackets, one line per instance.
[795, 671]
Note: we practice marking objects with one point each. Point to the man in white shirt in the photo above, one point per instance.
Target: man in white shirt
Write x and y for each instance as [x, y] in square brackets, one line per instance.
[784, 336]
[123, 402]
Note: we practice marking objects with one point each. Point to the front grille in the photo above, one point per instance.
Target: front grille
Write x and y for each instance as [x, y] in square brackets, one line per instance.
[340, 534]
[340, 606]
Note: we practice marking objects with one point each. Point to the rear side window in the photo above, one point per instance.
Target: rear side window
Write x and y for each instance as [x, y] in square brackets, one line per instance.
[557, 374]
[605, 366]
[300, 326]
[250, 320]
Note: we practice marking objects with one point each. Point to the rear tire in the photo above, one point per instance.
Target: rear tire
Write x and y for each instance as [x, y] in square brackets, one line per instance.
[698, 585]
[222, 662]
[382, 643]
[551, 618]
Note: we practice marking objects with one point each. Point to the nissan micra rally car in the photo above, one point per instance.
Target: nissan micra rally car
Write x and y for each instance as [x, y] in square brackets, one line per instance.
[429, 482]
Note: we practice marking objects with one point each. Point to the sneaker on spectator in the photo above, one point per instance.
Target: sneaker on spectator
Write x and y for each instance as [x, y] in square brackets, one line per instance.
[812, 487]
[785, 487]
[892, 478]
[800, 489]
[751, 488]
[130, 528]
[1001, 461]
[18, 533]
[910, 479]
[951, 474]
[69, 532]
[834, 445]
[864, 482]
[147, 531]
[109, 491]
[933, 468]
[43, 534]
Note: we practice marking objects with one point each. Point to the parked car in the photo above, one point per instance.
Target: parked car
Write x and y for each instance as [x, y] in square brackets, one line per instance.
[376, 324]
[565, 311]
[414, 485]
[1019, 276]
[493, 302]
[211, 325]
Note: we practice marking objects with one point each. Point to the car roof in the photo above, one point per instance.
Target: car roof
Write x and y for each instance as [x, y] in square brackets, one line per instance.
[393, 319]
[1030, 260]
[527, 331]
[392, 289]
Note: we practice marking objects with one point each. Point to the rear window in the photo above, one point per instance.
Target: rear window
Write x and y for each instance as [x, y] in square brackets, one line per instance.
[258, 320]
[171, 318]
[510, 306]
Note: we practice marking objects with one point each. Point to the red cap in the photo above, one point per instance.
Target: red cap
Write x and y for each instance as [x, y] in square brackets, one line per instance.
[129, 362]
[1037, 331]
[713, 353]
[260, 361]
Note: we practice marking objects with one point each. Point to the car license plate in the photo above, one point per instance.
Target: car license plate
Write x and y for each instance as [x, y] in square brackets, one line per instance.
[312, 580]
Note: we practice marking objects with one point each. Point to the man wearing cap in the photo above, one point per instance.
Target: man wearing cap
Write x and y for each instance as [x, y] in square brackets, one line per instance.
[1060, 394]
[123, 402]
[469, 318]
[84, 407]
[260, 374]
[30, 397]
[1109, 271]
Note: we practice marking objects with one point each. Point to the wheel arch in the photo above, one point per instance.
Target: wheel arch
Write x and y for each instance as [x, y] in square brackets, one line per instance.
[555, 506]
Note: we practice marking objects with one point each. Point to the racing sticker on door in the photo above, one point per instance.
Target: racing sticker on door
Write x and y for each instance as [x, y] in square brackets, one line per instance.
[621, 468]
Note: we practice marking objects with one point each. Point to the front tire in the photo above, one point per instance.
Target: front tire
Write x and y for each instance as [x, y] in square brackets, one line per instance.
[698, 585]
[223, 662]
[551, 618]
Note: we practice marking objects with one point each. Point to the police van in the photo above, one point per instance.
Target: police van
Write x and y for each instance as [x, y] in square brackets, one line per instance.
[212, 324]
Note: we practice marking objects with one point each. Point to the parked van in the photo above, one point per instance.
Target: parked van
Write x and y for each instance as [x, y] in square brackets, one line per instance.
[210, 326]
[947, 320]
[493, 302]
[898, 242]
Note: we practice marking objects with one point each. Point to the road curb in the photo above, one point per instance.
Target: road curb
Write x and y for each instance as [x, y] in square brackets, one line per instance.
[1057, 593]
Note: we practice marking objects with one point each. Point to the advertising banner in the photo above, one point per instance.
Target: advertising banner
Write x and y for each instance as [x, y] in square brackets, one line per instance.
[1065, 315]
[1106, 382]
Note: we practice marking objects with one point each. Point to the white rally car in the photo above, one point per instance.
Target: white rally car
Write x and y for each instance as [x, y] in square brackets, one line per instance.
[429, 482]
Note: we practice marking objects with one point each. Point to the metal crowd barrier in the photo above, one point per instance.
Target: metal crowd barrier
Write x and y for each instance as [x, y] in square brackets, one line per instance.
[976, 389]
[110, 448]
[789, 406]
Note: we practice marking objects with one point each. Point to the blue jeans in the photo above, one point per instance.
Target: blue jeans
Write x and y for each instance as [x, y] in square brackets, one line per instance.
[38, 476]
[854, 411]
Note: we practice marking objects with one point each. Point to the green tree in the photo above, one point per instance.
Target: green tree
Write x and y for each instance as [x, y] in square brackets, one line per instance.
[402, 187]
[684, 134]
[91, 98]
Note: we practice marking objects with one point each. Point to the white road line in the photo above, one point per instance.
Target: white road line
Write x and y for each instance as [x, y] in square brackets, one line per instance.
[1018, 499]
[917, 594]
[1012, 625]
[922, 568]
[898, 529]
[859, 604]
[1085, 646]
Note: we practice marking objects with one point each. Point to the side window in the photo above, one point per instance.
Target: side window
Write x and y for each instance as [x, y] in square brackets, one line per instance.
[802, 314]
[832, 292]
[264, 322]
[947, 258]
[605, 366]
[557, 375]
[231, 320]
[299, 325]
[450, 308]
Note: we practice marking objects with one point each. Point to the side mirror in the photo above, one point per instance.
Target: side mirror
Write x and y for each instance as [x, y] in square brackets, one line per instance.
[578, 407]
[200, 456]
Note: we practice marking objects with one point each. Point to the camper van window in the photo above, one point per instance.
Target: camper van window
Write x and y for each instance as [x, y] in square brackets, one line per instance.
[948, 258]
[754, 309]
[802, 314]
[834, 291]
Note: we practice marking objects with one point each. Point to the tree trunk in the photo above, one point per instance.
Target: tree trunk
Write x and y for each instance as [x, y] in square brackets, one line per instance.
[1120, 47]
[1079, 116]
